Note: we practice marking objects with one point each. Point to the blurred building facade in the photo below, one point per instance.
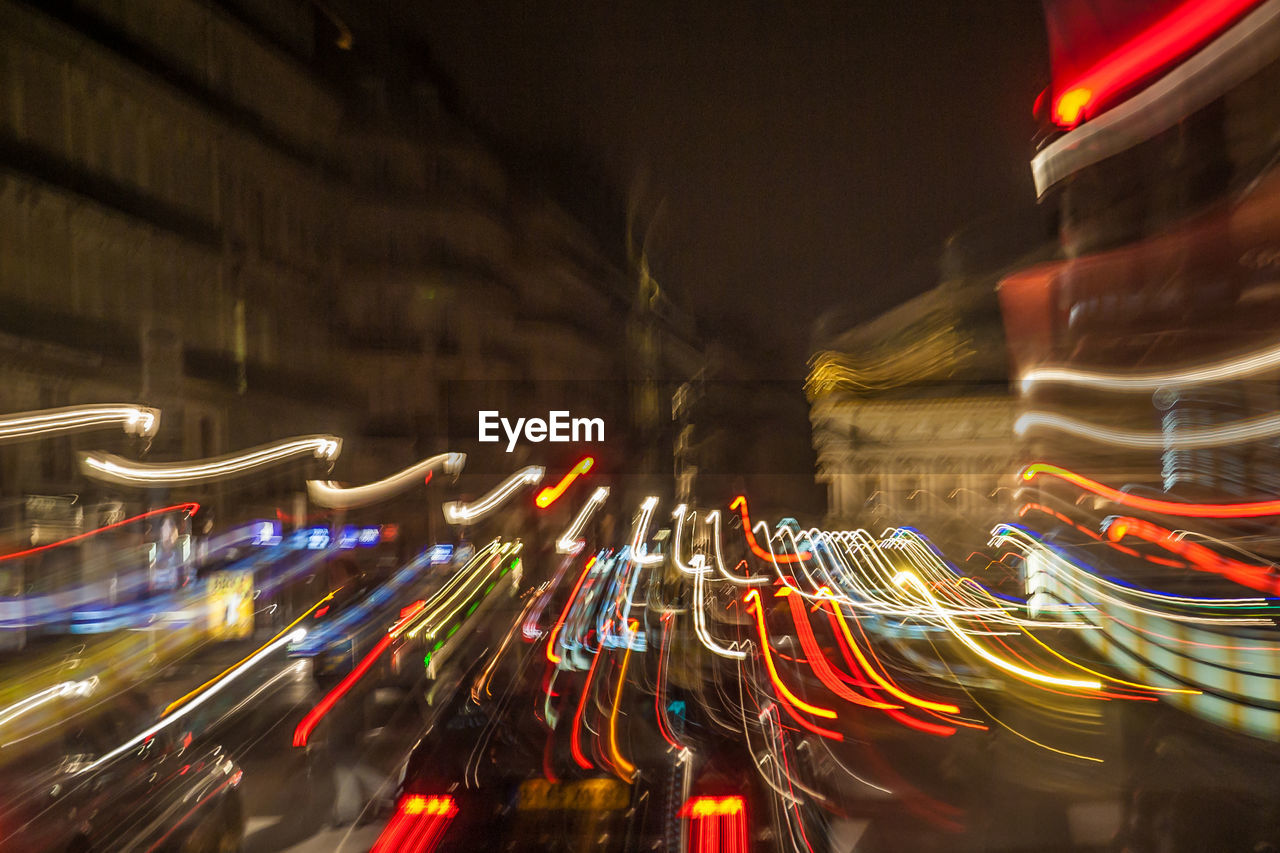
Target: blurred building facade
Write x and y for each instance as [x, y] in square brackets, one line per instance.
[911, 412]
[238, 213]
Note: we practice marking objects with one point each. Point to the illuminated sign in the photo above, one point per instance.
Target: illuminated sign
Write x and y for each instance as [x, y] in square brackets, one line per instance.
[231, 605]
[359, 537]
[266, 533]
[438, 554]
[315, 538]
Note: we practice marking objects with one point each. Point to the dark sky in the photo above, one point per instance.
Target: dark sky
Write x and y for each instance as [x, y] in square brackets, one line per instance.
[788, 157]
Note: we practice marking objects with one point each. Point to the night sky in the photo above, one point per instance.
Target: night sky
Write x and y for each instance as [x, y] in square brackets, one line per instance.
[787, 158]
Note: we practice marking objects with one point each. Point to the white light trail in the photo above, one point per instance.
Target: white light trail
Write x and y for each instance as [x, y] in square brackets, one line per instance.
[1250, 429]
[680, 514]
[57, 691]
[699, 614]
[295, 636]
[641, 533]
[327, 493]
[569, 543]
[135, 420]
[110, 468]
[1233, 368]
[714, 518]
[456, 512]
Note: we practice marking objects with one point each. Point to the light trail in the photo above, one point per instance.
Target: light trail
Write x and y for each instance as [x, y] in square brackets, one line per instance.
[177, 702]
[307, 725]
[1254, 509]
[752, 600]
[190, 508]
[641, 532]
[551, 494]
[1250, 429]
[332, 495]
[912, 580]
[1220, 371]
[569, 543]
[109, 468]
[457, 512]
[297, 635]
[740, 504]
[135, 420]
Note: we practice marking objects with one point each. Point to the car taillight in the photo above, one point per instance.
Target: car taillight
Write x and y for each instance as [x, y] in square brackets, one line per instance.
[418, 824]
[716, 824]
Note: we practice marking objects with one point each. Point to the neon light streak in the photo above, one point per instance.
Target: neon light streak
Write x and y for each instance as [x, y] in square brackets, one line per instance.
[1205, 559]
[753, 605]
[110, 468]
[550, 494]
[328, 493]
[308, 724]
[912, 580]
[1173, 37]
[456, 512]
[451, 597]
[136, 420]
[1243, 510]
[740, 504]
[1160, 561]
[190, 509]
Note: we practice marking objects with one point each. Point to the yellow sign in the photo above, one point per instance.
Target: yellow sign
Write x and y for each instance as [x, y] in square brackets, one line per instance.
[586, 795]
[231, 605]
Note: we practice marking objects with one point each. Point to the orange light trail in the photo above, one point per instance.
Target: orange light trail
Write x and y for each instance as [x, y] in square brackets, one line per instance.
[626, 769]
[820, 665]
[753, 605]
[740, 504]
[888, 686]
[550, 494]
[1205, 559]
[1244, 510]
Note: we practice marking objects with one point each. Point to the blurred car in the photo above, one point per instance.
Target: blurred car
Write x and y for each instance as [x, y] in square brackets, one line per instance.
[168, 794]
[506, 803]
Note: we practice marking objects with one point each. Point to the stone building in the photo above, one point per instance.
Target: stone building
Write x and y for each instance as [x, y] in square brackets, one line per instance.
[912, 416]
